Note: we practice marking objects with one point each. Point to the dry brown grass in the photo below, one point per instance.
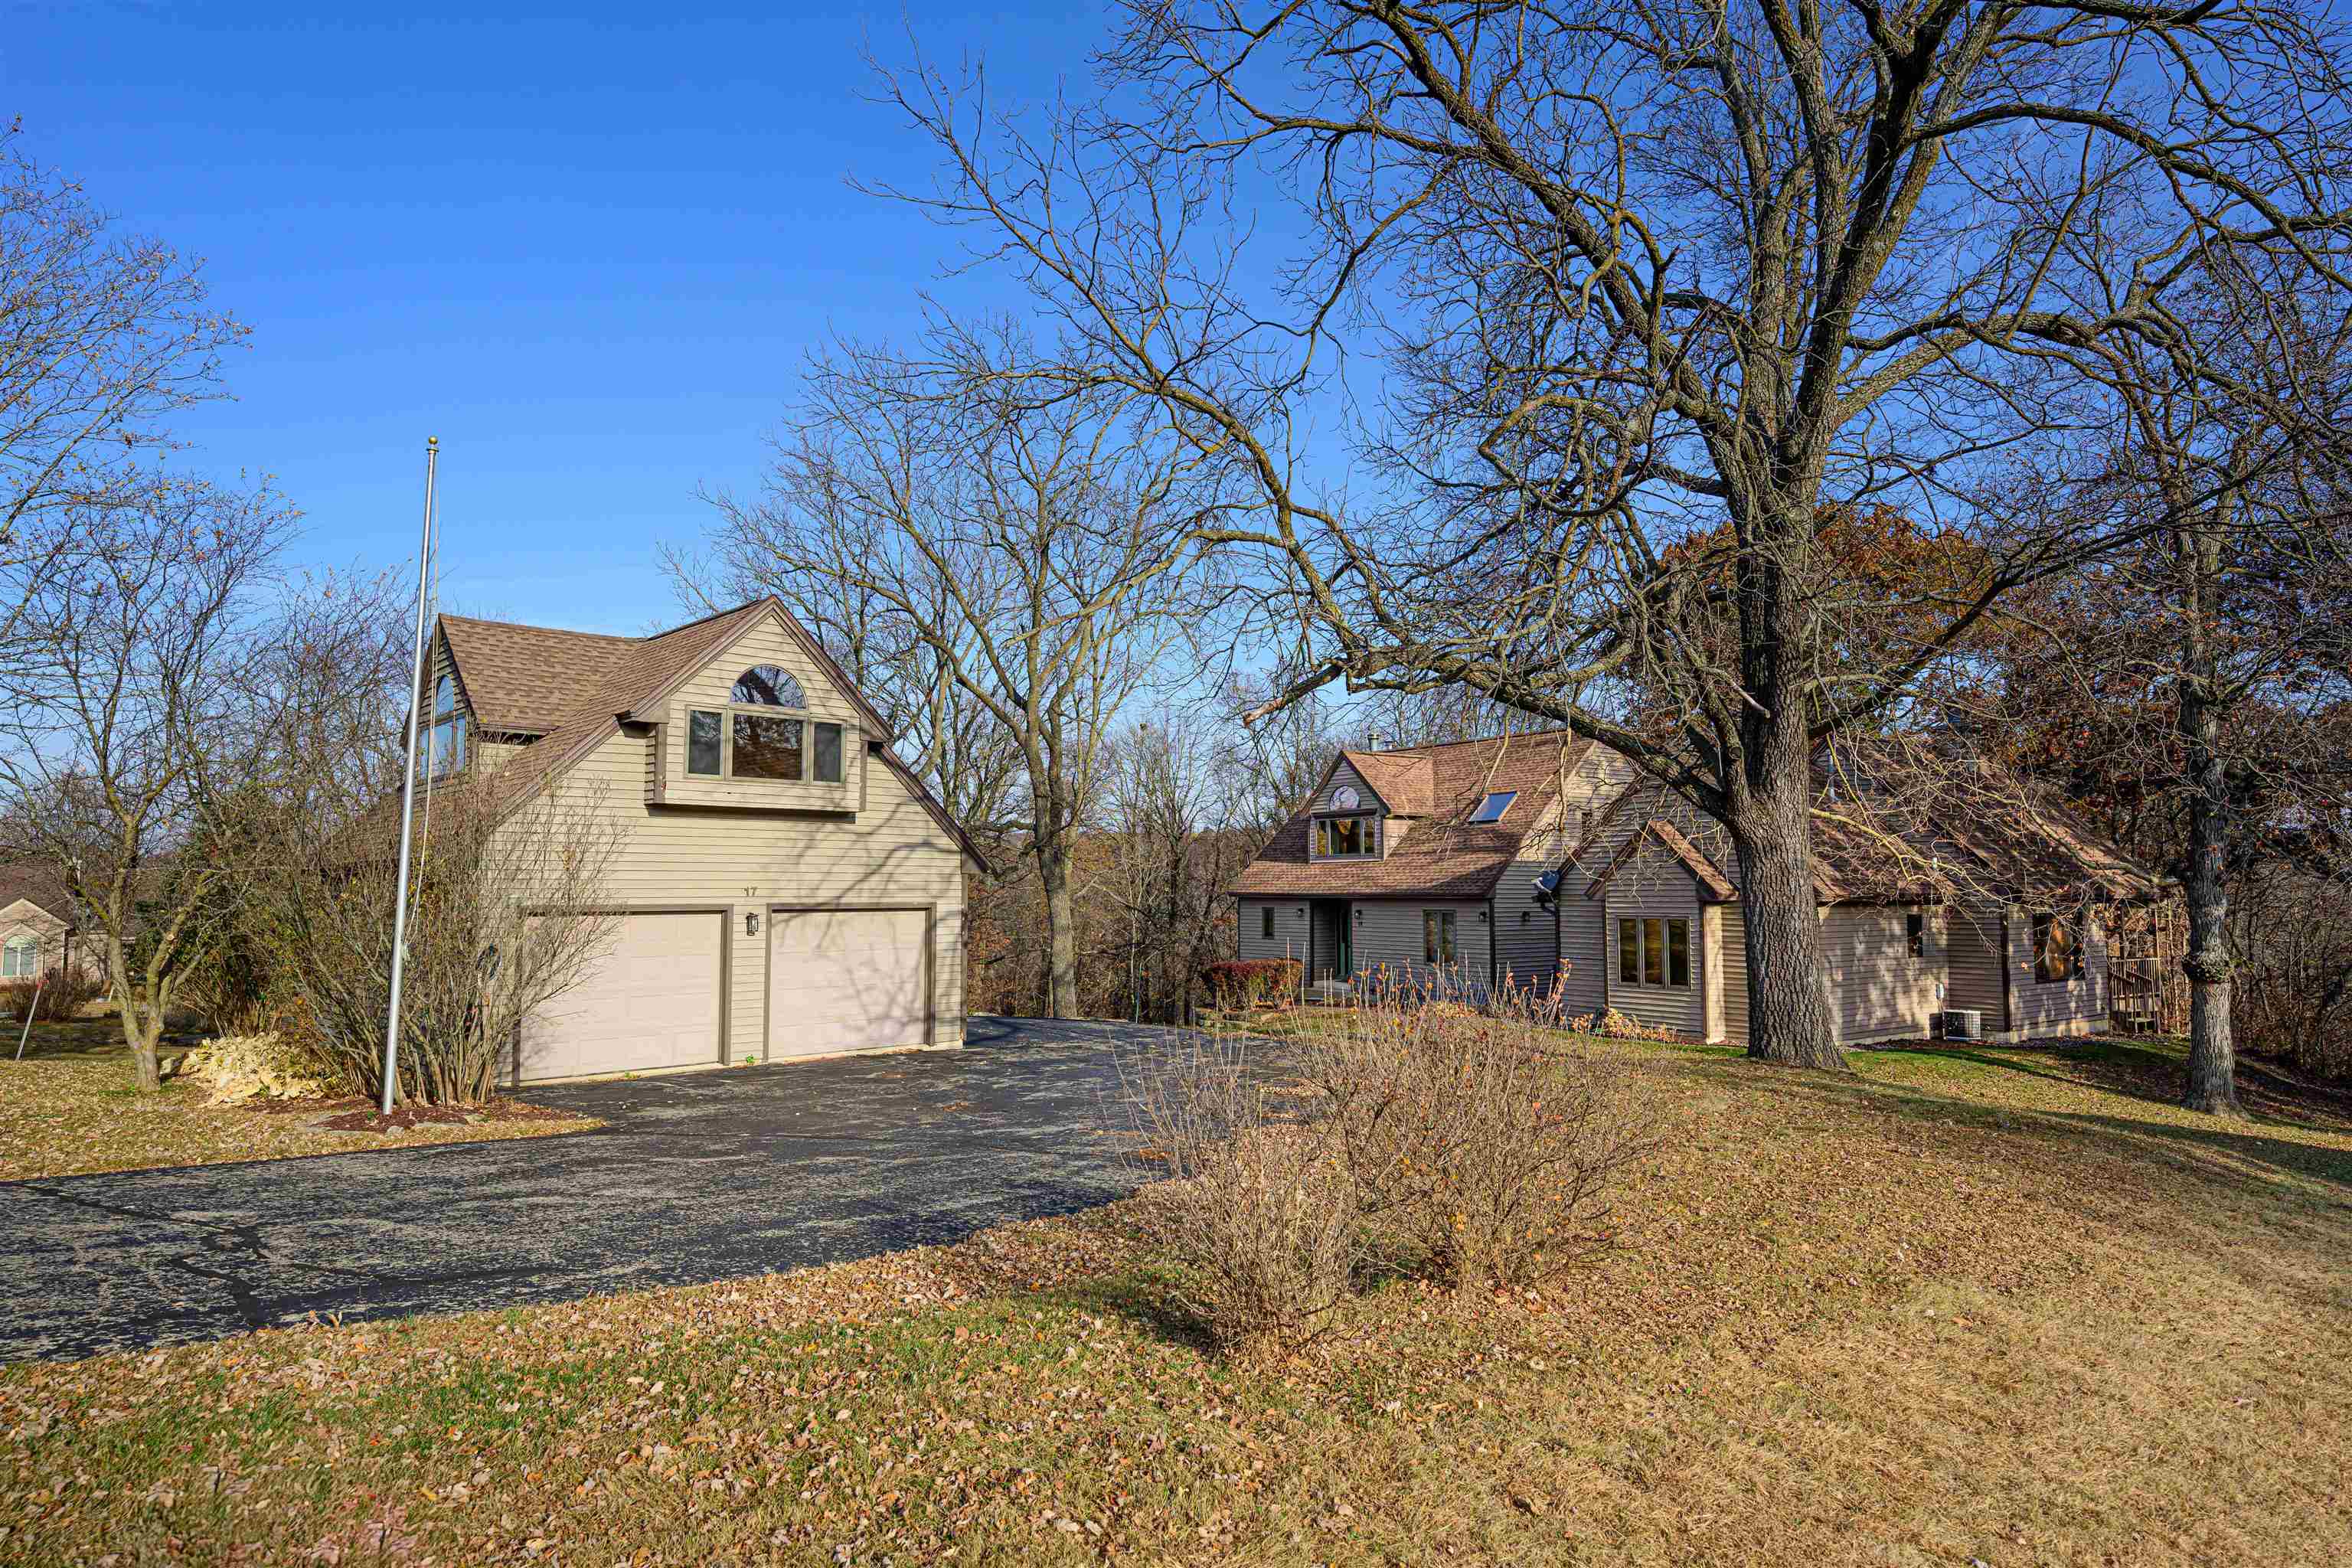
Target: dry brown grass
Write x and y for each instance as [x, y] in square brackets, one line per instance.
[69, 1109]
[1988, 1305]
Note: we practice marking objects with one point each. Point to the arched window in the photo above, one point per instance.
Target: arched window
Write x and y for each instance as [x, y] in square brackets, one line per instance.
[765, 685]
[21, 960]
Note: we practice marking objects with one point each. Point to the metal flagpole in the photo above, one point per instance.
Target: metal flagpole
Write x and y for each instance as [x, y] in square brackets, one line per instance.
[408, 781]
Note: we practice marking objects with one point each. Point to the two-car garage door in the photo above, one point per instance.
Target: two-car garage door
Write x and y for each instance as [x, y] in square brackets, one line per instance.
[838, 980]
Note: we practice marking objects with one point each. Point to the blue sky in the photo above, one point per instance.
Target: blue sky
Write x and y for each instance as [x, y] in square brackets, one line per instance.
[587, 250]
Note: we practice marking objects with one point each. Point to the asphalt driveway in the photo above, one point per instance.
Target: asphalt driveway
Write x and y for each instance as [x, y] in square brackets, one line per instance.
[697, 1177]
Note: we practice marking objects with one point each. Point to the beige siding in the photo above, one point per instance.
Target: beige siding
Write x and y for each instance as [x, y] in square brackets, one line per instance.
[1879, 990]
[1733, 950]
[1584, 962]
[2076, 1006]
[1679, 1008]
[893, 854]
[1973, 964]
[26, 919]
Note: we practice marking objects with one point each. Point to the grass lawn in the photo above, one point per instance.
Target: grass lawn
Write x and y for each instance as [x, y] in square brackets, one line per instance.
[1984, 1305]
[69, 1108]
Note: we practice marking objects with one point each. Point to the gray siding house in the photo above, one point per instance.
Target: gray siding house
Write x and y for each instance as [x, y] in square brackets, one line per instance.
[786, 887]
[1420, 865]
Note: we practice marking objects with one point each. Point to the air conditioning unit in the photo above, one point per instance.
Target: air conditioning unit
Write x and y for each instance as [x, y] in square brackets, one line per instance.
[1963, 1023]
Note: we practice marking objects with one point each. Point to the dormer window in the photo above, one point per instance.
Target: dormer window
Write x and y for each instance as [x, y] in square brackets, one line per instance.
[1344, 835]
[759, 738]
[1491, 809]
[446, 752]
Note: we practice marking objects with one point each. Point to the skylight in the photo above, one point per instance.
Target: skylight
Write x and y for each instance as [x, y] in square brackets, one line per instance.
[1491, 809]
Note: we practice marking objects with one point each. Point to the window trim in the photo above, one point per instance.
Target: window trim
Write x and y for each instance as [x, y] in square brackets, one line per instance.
[1319, 837]
[1637, 960]
[26, 944]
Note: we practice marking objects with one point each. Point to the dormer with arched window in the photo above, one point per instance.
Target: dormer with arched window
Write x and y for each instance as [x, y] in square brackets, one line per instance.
[766, 741]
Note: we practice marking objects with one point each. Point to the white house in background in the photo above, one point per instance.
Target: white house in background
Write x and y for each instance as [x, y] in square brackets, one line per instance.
[787, 887]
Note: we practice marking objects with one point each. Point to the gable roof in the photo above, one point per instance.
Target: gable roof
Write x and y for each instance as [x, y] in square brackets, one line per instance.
[1924, 834]
[1406, 784]
[38, 884]
[1444, 855]
[1712, 880]
[525, 680]
[625, 679]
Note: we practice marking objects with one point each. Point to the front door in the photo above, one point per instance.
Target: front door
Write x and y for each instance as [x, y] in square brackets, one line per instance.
[1335, 941]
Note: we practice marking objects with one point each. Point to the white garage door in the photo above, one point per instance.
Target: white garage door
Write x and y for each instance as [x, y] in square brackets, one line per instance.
[653, 1001]
[844, 980]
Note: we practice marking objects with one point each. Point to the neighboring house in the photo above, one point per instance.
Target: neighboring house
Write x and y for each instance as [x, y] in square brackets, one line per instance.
[787, 888]
[38, 930]
[1612, 894]
[1422, 863]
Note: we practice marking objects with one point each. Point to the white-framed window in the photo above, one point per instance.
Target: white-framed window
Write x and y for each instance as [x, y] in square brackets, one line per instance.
[21, 958]
[1653, 951]
[1336, 837]
[1437, 936]
[445, 750]
[759, 736]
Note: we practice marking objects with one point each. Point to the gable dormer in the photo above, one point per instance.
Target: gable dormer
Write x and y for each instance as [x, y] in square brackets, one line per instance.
[762, 723]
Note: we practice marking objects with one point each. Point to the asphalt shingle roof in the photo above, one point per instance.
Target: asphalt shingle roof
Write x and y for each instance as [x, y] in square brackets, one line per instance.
[1443, 855]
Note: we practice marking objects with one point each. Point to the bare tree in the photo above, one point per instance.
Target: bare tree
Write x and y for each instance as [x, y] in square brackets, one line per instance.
[102, 336]
[129, 718]
[1037, 555]
[2206, 659]
[1655, 294]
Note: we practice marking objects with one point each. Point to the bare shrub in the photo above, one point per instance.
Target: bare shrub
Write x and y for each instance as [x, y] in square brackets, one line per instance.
[1243, 984]
[1263, 1210]
[508, 910]
[61, 992]
[1481, 1146]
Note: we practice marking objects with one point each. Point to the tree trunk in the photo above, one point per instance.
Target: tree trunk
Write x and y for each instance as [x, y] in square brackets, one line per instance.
[1061, 930]
[2212, 1053]
[142, 1031]
[1789, 1019]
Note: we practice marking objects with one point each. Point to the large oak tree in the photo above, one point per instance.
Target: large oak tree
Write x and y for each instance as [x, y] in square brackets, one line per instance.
[1594, 279]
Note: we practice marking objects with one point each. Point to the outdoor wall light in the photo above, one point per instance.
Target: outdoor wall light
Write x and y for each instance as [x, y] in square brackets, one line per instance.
[1360, 915]
[752, 923]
